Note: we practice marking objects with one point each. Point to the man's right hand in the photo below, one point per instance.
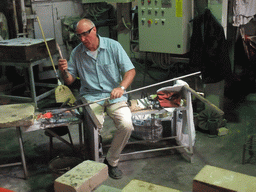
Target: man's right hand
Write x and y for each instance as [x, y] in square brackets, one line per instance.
[63, 65]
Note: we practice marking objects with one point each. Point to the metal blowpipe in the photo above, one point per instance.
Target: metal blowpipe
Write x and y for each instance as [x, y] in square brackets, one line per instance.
[135, 90]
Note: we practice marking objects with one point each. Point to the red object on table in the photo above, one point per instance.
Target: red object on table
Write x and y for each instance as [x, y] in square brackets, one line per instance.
[5, 190]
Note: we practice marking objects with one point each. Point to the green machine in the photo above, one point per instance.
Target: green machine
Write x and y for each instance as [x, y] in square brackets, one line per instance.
[164, 25]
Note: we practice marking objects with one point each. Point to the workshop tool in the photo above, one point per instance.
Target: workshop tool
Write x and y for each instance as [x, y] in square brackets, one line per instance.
[212, 106]
[132, 91]
[62, 92]
[61, 56]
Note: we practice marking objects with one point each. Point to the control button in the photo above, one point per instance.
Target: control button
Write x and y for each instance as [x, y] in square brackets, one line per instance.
[162, 22]
[150, 21]
[149, 1]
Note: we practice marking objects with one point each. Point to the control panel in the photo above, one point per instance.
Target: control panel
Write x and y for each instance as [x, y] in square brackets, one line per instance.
[164, 25]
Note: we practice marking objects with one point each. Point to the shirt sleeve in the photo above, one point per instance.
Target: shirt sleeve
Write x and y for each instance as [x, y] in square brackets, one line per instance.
[124, 62]
[72, 69]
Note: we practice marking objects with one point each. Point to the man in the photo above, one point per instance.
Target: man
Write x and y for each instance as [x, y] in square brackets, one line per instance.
[104, 70]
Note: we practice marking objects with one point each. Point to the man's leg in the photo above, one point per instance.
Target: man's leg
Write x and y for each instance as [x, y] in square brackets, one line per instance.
[98, 111]
[122, 117]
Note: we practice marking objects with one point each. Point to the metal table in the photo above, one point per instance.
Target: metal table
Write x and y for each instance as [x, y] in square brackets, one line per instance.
[26, 126]
[32, 84]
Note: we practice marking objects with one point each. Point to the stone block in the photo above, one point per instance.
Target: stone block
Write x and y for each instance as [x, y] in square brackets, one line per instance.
[16, 115]
[83, 178]
[142, 186]
[105, 188]
[212, 178]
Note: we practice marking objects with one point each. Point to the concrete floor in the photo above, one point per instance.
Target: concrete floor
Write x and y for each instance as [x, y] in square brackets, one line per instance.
[170, 169]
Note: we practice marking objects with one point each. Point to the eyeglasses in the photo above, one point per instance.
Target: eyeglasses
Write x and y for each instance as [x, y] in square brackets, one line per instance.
[84, 34]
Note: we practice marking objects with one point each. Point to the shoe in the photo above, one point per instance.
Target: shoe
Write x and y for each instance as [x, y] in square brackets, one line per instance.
[113, 172]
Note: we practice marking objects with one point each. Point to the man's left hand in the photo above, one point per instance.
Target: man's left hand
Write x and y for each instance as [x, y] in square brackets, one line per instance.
[116, 93]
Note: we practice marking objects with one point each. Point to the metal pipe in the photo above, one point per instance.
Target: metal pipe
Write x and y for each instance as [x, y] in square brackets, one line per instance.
[10, 164]
[23, 16]
[152, 150]
[132, 91]
[146, 141]
[15, 17]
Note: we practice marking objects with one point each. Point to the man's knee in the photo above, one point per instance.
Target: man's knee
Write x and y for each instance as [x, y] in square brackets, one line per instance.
[126, 125]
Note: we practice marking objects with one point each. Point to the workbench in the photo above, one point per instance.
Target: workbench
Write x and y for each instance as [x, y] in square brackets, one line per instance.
[22, 116]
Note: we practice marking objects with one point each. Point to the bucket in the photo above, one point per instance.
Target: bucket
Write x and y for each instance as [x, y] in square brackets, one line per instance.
[60, 165]
[213, 126]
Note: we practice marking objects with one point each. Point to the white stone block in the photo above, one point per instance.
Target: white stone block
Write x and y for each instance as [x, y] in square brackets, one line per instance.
[82, 178]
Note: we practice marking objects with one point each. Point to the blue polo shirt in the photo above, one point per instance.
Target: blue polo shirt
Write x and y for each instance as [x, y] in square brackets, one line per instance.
[100, 75]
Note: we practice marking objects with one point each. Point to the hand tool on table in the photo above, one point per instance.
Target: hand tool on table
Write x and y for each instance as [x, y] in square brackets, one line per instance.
[62, 92]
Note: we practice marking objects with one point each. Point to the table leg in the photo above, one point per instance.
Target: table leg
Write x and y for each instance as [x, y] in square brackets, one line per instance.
[23, 159]
[61, 139]
[80, 136]
[32, 85]
[91, 127]
[92, 138]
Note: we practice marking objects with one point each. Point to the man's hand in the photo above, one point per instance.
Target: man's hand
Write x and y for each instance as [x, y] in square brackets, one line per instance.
[63, 65]
[127, 80]
[116, 93]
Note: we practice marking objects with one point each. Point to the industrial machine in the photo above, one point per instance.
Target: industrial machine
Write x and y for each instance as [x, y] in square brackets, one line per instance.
[164, 25]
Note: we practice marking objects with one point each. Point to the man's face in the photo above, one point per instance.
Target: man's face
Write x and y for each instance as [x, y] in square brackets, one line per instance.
[87, 34]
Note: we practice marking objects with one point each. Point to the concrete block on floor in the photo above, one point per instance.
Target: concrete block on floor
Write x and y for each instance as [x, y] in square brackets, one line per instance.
[142, 186]
[212, 178]
[83, 178]
[105, 188]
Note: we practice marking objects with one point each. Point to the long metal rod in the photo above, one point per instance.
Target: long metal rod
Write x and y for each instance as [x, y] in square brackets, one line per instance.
[11, 164]
[151, 150]
[145, 141]
[132, 91]
[167, 81]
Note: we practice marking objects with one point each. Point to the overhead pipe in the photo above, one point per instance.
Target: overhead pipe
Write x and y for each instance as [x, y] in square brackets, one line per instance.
[23, 16]
[15, 17]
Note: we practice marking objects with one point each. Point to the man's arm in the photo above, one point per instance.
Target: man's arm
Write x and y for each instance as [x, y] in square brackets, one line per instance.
[63, 67]
[126, 82]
